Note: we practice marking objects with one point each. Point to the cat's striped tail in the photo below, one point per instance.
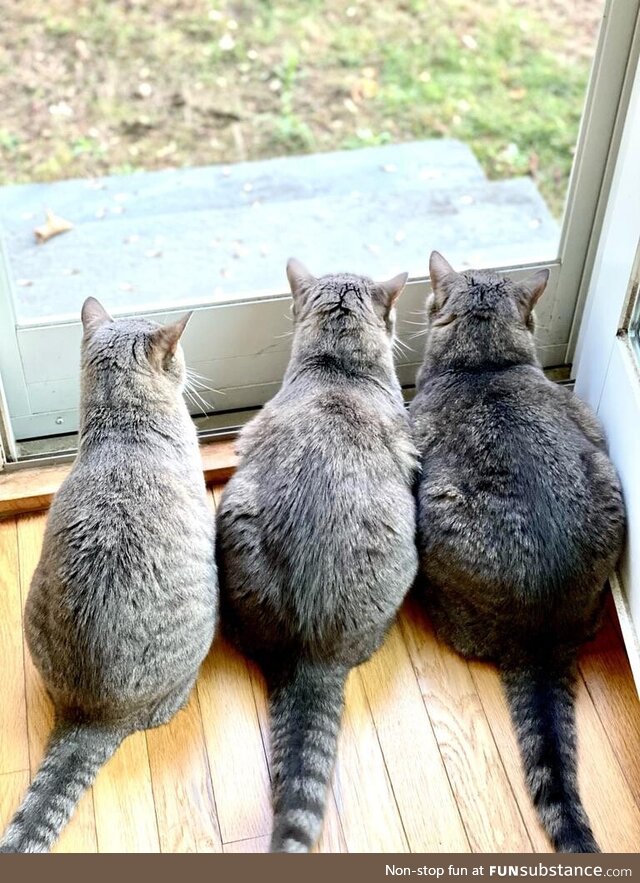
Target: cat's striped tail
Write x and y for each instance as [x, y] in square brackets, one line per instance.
[75, 753]
[306, 706]
[540, 693]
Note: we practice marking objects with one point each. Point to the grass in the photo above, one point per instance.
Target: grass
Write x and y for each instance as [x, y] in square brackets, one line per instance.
[112, 87]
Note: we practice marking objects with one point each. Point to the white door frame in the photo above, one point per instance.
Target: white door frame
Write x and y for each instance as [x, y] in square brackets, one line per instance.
[607, 367]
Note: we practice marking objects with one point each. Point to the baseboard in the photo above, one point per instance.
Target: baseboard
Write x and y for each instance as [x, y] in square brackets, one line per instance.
[629, 635]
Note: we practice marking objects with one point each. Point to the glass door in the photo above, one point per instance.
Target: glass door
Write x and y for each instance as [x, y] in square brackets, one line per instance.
[352, 139]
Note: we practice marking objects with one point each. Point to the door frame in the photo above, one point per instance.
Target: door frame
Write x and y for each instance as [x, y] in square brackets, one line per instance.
[607, 365]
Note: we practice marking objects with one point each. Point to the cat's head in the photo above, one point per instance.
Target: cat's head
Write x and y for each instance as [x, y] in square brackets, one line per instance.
[337, 303]
[132, 353]
[478, 319]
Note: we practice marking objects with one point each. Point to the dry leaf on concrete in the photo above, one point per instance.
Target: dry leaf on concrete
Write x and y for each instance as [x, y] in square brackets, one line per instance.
[51, 227]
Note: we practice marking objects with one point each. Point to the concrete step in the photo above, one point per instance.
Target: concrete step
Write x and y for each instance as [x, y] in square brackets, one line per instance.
[159, 239]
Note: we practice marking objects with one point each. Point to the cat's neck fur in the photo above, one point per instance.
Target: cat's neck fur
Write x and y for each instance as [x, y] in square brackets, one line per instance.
[477, 355]
[117, 404]
[346, 355]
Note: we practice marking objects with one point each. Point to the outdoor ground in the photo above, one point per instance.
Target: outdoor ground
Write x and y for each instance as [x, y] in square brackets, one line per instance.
[111, 87]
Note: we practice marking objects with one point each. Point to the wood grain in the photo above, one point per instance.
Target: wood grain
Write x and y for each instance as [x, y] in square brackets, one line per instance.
[363, 791]
[30, 488]
[12, 790]
[466, 743]
[610, 805]
[234, 745]
[182, 792]
[428, 809]
[255, 844]
[607, 674]
[14, 748]
[123, 800]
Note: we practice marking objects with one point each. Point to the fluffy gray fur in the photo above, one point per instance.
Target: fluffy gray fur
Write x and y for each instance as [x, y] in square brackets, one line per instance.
[316, 530]
[520, 519]
[122, 606]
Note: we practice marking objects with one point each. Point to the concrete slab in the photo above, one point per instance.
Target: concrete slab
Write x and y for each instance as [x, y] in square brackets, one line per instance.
[190, 236]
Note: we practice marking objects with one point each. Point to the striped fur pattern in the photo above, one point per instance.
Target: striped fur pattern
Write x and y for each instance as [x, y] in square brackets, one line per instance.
[74, 755]
[316, 529]
[305, 706]
[122, 606]
[541, 701]
[520, 518]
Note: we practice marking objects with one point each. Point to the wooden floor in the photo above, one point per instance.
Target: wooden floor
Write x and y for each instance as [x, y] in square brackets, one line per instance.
[427, 759]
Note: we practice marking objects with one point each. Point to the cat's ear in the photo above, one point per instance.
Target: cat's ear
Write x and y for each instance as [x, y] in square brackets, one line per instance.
[441, 272]
[93, 315]
[531, 290]
[166, 338]
[387, 293]
[300, 279]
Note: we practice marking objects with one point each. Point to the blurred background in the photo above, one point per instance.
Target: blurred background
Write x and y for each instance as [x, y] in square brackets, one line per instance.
[112, 87]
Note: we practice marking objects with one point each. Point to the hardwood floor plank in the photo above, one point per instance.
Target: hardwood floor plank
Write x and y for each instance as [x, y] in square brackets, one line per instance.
[418, 776]
[481, 787]
[123, 800]
[80, 834]
[607, 797]
[487, 682]
[216, 489]
[234, 745]
[255, 844]
[12, 790]
[182, 791]
[363, 791]
[14, 747]
[607, 674]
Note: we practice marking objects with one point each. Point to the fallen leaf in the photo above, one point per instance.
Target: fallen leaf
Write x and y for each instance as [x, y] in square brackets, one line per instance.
[51, 227]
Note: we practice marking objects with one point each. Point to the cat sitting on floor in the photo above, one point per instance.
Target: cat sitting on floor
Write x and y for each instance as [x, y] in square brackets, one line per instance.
[123, 603]
[316, 530]
[520, 518]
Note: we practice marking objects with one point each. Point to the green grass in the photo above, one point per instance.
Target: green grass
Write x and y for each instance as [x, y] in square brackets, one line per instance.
[92, 89]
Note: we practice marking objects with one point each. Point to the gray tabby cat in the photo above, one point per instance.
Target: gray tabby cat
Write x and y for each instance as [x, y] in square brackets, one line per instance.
[316, 530]
[520, 519]
[122, 606]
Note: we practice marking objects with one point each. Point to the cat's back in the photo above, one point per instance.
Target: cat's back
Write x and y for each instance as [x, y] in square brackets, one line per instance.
[319, 519]
[511, 472]
[332, 445]
[498, 425]
[144, 492]
[127, 565]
